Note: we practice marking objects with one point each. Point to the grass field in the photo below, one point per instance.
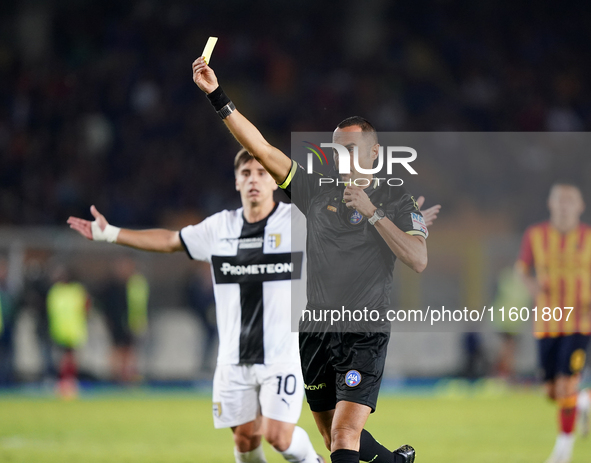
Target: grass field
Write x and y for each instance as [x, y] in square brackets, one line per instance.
[129, 427]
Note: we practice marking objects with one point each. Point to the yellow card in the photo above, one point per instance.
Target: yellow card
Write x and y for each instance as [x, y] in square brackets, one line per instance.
[208, 50]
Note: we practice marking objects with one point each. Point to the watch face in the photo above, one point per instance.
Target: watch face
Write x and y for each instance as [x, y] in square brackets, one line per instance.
[380, 213]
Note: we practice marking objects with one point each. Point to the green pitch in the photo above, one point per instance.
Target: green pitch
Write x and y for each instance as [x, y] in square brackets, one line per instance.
[127, 427]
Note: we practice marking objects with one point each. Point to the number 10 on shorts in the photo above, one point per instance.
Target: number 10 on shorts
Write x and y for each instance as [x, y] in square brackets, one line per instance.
[288, 383]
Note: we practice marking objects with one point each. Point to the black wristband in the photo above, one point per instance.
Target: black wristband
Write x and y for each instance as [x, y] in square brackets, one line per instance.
[218, 98]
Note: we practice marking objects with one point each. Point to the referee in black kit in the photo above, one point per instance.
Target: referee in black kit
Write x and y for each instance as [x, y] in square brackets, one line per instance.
[354, 236]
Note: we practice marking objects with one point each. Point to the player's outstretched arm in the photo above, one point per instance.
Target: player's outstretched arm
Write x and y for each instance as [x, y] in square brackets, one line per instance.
[272, 159]
[430, 214]
[157, 239]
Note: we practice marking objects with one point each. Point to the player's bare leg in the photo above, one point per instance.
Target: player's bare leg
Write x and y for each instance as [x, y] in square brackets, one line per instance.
[550, 388]
[247, 442]
[324, 423]
[286, 438]
[347, 423]
[130, 373]
[118, 364]
[291, 441]
[343, 433]
[67, 387]
[278, 433]
[565, 391]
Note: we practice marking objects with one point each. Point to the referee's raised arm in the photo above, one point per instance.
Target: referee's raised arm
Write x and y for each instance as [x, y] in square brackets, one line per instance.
[272, 159]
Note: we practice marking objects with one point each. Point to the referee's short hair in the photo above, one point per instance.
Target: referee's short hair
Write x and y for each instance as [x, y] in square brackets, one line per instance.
[566, 182]
[361, 122]
[242, 157]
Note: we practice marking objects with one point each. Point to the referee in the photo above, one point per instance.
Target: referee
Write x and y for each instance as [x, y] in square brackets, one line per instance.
[370, 227]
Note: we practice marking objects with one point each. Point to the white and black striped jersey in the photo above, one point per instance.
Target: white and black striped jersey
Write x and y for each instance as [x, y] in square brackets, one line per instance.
[252, 265]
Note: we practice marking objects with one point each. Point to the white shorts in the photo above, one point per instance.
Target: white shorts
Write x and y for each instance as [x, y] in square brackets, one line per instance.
[243, 392]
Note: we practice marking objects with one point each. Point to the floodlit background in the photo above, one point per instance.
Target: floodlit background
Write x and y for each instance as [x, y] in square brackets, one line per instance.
[97, 106]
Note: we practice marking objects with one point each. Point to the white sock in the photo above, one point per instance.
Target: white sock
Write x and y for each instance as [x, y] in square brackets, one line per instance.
[569, 444]
[563, 449]
[584, 401]
[254, 456]
[301, 449]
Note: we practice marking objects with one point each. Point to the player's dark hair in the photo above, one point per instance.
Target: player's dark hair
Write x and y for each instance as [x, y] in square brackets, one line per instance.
[242, 157]
[358, 121]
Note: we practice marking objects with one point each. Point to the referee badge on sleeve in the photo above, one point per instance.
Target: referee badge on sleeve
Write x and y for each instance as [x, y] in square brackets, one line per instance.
[418, 223]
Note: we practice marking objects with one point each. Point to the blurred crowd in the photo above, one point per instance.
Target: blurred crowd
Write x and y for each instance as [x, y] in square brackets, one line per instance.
[98, 105]
[59, 304]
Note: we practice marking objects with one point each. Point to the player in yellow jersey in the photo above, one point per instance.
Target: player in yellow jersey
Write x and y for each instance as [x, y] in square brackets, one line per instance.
[67, 306]
[555, 265]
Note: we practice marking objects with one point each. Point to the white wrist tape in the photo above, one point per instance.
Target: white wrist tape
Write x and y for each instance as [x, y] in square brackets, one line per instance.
[109, 234]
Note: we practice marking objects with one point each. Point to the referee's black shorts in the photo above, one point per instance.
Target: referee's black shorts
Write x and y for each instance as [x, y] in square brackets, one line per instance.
[342, 366]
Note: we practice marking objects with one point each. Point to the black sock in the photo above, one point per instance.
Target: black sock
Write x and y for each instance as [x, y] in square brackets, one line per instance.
[371, 450]
[344, 456]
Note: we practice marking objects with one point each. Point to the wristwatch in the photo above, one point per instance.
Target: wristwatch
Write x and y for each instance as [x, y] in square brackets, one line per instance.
[226, 110]
[377, 215]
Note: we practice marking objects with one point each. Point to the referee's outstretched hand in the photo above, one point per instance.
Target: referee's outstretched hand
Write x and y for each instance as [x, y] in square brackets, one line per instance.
[84, 227]
[204, 76]
[428, 214]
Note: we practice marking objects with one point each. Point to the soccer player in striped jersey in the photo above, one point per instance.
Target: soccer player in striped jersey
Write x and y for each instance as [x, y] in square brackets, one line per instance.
[555, 265]
[258, 386]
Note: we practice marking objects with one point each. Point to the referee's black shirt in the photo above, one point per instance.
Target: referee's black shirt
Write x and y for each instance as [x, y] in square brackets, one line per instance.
[349, 263]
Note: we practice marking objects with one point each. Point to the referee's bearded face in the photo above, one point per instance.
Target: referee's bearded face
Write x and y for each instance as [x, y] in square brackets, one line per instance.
[254, 183]
[566, 206]
[351, 137]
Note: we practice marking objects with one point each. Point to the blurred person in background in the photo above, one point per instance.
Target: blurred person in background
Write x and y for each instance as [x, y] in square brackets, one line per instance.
[199, 294]
[476, 363]
[67, 307]
[511, 292]
[7, 324]
[36, 287]
[124, 301]
[555, 265]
